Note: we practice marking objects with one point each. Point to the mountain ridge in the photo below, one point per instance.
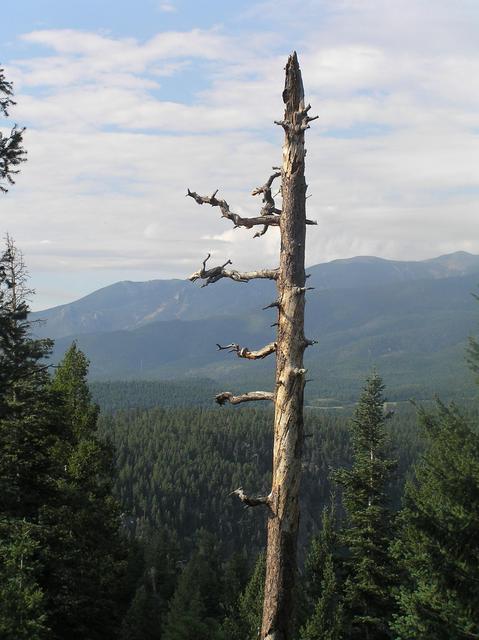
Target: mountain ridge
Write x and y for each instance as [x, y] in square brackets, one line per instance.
[413, 329]
[128, 304]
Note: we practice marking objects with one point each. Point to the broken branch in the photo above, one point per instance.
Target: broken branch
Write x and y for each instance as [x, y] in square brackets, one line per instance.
[216, 273]
[234, 217]
[299, 121]
[269, 207]
[252, 396]
[247, 500]
[272, 305]
[267, 186]
[244, 352]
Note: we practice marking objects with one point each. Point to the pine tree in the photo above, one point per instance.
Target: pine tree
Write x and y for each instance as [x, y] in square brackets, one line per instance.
[22, 606]
[28, 426]
[244, 622]
[154, 559]
[323, 586]
[438, 545]
[472, 352]
[235, 574]
[11, 149]
[86, 558]
[55, 483]
[368, 601]
[29, 435]
[195, 610]
[143, 618]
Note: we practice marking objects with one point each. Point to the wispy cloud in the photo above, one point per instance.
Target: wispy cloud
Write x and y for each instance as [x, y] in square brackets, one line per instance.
[167, 7]
[391, 163]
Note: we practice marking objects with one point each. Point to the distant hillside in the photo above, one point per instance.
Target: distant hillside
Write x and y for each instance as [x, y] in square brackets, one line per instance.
[409, 320]
[129, 305]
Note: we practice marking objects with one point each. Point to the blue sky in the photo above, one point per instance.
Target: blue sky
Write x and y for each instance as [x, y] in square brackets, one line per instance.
[128, 104]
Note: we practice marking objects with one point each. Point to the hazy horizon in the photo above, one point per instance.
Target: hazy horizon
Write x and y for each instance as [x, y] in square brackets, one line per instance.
[308, 266]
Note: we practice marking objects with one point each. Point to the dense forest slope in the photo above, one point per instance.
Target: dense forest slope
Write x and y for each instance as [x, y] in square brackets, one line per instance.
[411, 320]
[177, 467]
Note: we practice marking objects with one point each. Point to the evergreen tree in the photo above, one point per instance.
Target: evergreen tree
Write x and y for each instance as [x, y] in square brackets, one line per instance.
[368, 601]
[438, 545]
[61, 556]
[86, 557]
[473, 351]
[28, 423]
[11, 150]
[323, 585]
[235, 578]
[251, 600]
[196, 607]
[29, 435]
[154, 559]
[22, 607]
[244, 622]
[143, 618]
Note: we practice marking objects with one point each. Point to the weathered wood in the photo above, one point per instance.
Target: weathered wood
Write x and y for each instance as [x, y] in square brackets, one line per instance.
[252, 396]
[283, 519]
[265, 220]
[244, 352]
[216, 273]
[283, 500]
[250, 501]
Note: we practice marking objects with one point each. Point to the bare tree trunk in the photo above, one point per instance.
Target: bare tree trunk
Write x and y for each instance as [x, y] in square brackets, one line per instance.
[283, 519]
[283, 500]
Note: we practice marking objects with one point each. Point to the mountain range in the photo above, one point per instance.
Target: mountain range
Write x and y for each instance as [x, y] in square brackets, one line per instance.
[410, 320]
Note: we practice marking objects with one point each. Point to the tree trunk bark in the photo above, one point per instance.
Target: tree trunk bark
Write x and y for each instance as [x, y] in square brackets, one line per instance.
[283, 518]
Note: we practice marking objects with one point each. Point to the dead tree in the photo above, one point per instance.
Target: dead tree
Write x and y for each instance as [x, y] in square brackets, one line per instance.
[283, 500]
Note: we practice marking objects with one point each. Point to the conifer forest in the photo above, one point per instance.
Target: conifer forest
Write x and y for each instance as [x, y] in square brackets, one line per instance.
[259, 496]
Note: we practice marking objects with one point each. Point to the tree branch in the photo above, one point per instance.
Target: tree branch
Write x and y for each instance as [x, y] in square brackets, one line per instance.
[265, 220]
[12, 154]
[252, 396]
[216, 273]
[269, 205]
[248, 501]
[244, 352]
[299, 122]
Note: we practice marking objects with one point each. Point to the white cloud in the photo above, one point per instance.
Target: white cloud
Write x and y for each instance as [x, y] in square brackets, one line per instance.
[167, 7]
[391, 164]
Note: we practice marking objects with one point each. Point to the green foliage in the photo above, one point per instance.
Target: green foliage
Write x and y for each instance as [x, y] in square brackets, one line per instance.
[142, 620]
[29, 435]
[438, 545]
[70, 381]
[176, 467]
[152, 574]
[58, 515]
[326, 621]
[28, 425]
[116, 395]
[244, 620]
[370, 571]
[11, 150]
[22, 606]
[85, 555]
[251, 600]
[323, 584]
[195, 608]
[235, 577]
[473, 352]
